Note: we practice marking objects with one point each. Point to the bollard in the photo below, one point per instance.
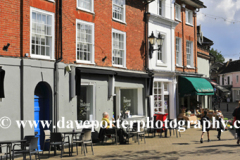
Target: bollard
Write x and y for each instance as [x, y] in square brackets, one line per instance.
[227, 107]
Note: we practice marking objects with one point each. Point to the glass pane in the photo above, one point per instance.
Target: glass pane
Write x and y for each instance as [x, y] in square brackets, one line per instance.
[49, 20]
[165, 86]
[42, 50]
[47, 51]
[34, 17]
[33, 49]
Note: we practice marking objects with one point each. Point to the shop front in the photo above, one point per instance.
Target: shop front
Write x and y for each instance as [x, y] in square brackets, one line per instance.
[112, 91]
[163, 101]
[192, 92]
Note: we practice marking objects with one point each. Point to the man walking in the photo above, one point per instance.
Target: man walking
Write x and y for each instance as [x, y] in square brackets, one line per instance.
[236, 114]
[205, 126]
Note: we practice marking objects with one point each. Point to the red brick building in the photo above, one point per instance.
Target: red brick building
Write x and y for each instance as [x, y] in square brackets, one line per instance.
[97, 66]
[186, 35]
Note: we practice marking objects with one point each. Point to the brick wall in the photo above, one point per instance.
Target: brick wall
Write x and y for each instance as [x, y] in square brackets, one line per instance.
[102, 18]
[187, 32]
[10, 27]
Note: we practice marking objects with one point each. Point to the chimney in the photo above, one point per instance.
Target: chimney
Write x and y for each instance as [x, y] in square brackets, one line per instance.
[230, 60]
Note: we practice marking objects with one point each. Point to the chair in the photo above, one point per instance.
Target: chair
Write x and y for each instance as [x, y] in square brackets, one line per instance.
[47, 134]
[174, 129]
[3, 154]
[32, 149]
[140, 133]
[110, 132]
[87, 139]
[26, 144]
[56, 139]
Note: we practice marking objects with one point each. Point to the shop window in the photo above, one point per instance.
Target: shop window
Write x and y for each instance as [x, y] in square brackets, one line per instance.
[85, 105]
[161, 97]
[129, 101]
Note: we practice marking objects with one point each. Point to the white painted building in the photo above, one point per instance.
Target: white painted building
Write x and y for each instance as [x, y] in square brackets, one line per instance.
[162, 62]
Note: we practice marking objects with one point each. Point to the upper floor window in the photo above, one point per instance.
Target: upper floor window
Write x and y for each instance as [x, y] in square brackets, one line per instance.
[189, 53]
[178, 12]
[86, 5]
[118, 9]
[42, 34]
[161, 52]
[228, 80]
[237, 79]
[189, 17]
[178, 51]
[119, 48]
[85, 42]
[160, 5]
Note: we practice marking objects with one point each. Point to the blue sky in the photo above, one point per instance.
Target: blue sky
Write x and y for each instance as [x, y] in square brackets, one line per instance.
[224, 34]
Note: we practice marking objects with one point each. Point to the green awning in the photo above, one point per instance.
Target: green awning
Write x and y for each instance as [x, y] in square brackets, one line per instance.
[191, 86]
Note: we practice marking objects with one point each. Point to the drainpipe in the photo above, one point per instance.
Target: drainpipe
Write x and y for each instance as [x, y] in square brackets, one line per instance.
[56, 72]
[21, 68]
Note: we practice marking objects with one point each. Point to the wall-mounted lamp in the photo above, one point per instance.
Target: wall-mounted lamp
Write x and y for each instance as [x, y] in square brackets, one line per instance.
[152, 40]
[5, 48]
[104, 58]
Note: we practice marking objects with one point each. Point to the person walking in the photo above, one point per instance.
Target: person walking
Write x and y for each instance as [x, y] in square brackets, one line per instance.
[219, 119]
[205, 121]
[236, 114]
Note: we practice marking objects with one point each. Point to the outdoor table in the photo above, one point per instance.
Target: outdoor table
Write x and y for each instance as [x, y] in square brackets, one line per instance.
[73, 134]
[9, 146]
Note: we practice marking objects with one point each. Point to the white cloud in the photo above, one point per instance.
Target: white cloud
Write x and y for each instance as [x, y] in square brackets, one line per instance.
[226, 9]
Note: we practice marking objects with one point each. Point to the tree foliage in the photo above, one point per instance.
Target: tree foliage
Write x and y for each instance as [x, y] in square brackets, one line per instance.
[218, 56]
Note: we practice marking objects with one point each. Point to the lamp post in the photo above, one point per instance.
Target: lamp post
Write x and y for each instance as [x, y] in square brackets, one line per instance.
[152, 40]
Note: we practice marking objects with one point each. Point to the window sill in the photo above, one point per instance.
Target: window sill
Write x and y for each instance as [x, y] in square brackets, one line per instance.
[179, 66]
[41, 57]
[51, 1]
[117, 20]
[119, 66]
[88, 11]
[160, 64]
[189, 24]
[189, 67]
[178, 20]
[85, 62]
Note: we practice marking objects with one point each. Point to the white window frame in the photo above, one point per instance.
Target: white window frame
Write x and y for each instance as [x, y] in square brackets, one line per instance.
[51, 0]
[163, 49]
[163, 93]
[178, 15]
[124, 12]
[51, 55]
[191, 54]
[84, 9]
[92, 58]
[125, 49]
[189, 22]
[179, 57]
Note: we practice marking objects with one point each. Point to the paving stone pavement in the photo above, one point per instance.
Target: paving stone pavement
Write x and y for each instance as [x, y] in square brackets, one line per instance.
[186, 147]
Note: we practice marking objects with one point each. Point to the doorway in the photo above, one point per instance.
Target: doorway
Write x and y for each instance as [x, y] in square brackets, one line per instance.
[42, 109]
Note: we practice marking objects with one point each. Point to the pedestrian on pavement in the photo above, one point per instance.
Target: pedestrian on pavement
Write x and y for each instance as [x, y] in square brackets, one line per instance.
[236, 117]
[221, 128]
[205, 121]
